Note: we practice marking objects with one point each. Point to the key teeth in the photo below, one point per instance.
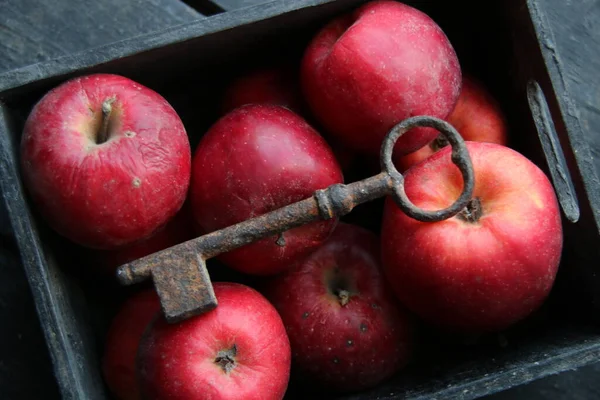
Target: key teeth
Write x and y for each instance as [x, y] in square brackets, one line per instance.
[183, 285]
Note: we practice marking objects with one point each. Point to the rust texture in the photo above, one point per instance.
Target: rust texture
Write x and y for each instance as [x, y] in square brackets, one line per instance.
[179, 272]
[182, 284]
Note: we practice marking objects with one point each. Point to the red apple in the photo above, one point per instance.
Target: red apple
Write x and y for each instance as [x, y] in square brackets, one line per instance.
[256, 159]
[239, 350]
[274, 85]
[477, 117]
[366, 71]
[122, 342]
[345, 329]
[491, 265]
[106, 160]
[178, 230]
[277, 86]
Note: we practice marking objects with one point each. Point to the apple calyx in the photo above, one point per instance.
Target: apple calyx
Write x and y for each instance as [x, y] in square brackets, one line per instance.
[226, 359]
[472, 212]
[106, 111]
[343, 296]
[439, 143]
[339, 287]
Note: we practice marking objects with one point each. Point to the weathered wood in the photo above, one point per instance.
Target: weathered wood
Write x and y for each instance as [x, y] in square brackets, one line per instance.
[37, 30]
[576, 26]
[580, 384]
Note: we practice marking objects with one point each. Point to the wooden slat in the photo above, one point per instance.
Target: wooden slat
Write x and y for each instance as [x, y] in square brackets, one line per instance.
[577, 33]
[38, 30]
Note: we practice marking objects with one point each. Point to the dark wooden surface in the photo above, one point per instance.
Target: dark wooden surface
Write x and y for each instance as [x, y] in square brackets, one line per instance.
[36, 30]
[576, 25]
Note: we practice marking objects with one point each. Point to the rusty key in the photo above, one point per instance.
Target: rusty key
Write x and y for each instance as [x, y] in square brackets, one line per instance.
[179, 272]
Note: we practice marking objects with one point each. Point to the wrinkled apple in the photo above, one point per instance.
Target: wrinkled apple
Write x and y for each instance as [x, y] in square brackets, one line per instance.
[106, 160]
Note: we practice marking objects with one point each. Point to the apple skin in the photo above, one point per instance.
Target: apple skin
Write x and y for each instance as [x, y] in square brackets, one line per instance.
[477, 117]
[346, 347]
[256, 159]
[122, 342]
[278, 85]
[275, 85]
[366, 71]
[115, 193]
[178, 230]
[179, 361]
[482, 275]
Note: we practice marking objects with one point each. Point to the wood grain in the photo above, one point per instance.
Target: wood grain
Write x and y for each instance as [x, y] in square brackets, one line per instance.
[576, 25]
[35, 30]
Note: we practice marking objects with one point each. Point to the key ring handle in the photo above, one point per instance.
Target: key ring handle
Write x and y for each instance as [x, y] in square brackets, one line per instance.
[460, 157]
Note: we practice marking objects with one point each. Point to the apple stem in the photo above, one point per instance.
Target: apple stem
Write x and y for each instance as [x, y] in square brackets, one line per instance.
[343, 296]
[472, 212]
[439, 143]
[106, 111]
[226, 359]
